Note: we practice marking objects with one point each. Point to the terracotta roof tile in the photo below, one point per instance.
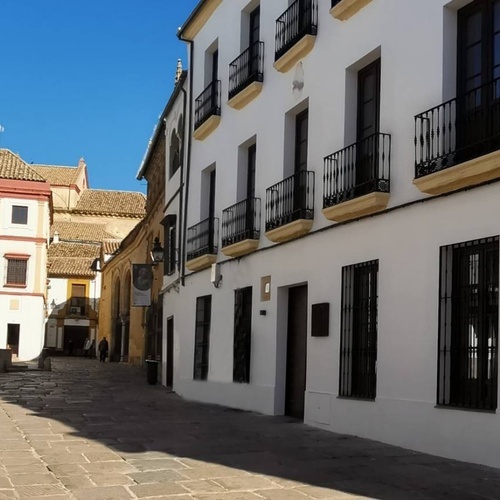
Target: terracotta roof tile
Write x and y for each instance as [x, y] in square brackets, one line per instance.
[80, 231]
[57, 176]
[103, 202]
[72, 266]
[111, 246]
[13, 167]
[73, 250]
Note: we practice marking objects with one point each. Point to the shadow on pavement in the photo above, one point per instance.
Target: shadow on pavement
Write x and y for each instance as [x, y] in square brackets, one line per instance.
[111, 404]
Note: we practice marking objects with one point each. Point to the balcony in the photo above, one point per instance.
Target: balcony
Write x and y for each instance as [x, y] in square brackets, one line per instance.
[356, 179]
[76, 306]
[207, 111]
[296, 31]
[345, 9]
[241, 228]
[290, 207]
[246, 74]
[457, 143]
[202, 241]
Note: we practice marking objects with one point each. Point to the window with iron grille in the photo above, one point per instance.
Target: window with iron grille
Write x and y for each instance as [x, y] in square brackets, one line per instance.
[242, 334]
[358, 340]
[468, 326]
[16, 271]
[19, 214]
[202, 337]
[170, 238]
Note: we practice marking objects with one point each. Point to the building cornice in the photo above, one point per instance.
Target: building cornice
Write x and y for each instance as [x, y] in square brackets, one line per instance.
[197, 19]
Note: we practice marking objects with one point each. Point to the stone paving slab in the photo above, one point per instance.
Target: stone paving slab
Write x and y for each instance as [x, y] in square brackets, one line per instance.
[90, 431]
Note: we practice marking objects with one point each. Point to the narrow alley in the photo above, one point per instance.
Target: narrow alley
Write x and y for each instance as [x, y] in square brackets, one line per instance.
[91, 431]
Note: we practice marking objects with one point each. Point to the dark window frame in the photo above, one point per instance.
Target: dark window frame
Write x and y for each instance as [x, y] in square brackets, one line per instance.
[16, 277]
[21, 217]
[358, 336]
[202, 337]
[467, 365]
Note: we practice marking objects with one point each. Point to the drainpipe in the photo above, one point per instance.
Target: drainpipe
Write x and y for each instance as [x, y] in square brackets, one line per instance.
[188, 166]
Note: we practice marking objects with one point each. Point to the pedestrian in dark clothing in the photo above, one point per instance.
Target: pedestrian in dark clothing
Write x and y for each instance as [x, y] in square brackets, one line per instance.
[70, 348]
[103, 350]
[92, 349]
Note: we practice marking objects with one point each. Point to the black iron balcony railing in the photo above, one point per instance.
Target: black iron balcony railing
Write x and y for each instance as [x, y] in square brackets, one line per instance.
[77, 306]
[290, 200]
[335, 2]
[299, 20]
[358, 169]
[246, 69]
[241, 222]
[207, 104]
[202, 238]
[458, 130]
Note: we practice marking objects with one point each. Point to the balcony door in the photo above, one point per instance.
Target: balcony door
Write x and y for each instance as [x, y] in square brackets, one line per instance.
[368, 124]
[301, 146]
[478, 79]
[253, 38]
[250, 208]
[211, 213]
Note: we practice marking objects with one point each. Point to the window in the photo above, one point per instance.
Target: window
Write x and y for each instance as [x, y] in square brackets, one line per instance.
[242, 334]
[19, 214]
[202, 337]
[77, 301]
[170, 237]
[16, 271]
[358, 342]
[468, 327]
[175, 158]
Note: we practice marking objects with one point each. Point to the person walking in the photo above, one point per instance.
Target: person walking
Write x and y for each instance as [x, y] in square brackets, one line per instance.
[86, 348]
[92, 349]
[103, 350]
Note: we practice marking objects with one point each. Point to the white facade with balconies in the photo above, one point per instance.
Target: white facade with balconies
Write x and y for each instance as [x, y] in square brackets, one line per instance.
[343, 179]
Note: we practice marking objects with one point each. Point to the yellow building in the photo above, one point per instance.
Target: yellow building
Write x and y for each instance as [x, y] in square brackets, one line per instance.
[134, 333]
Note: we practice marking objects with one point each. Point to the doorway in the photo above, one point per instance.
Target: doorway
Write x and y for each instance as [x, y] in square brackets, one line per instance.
[13, 338]
[296, 352]
[170, 352]
[74, 340]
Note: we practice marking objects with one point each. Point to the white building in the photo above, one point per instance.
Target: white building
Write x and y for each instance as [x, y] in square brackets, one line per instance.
[25, 216]
[355, 232]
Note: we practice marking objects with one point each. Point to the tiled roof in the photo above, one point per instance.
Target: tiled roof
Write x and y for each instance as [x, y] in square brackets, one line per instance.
[80, 231]
[58, 176]
[72, 266]
[73, 250]
[111, 246]
[13, 167]
[102, 202]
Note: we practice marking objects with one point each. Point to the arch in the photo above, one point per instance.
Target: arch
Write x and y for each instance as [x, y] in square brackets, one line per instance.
[174, 153]
[126, 292]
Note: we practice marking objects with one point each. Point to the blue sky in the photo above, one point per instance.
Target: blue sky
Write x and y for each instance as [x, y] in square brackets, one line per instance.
[87, 78]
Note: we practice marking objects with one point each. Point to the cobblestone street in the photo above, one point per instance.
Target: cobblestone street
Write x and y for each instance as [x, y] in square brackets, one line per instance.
[90, 431]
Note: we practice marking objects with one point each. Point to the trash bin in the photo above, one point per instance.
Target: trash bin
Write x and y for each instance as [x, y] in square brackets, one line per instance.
[152, 371]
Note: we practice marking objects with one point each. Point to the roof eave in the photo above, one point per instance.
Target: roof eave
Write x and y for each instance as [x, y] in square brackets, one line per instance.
[197, 19]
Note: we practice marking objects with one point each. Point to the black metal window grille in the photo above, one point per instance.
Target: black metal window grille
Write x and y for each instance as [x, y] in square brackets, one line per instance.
[16, 271]
[290, 200]
[299, 20]
[202, 337]
[207, 104]
[19, 214]
[202, 238]
[241, 222]
[357, 170]
[468, 325]
[358, 339]
[458, 130]
[242, 334]
[246, 69]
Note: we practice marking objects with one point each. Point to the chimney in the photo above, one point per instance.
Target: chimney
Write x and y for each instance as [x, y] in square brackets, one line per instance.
[178, 72]
[55, 239]
[81, 162]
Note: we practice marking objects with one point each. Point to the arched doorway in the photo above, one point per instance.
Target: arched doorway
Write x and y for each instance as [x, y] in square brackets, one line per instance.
[126, 316]
[116, 323]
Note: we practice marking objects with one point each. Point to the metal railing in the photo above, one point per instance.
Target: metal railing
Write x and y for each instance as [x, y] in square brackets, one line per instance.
[202, 238]
[290, 200]
[358, 169]
[458, 130]
[247, 68]
[335, 2]
[299, 20]
[241, 222]
[207, 104]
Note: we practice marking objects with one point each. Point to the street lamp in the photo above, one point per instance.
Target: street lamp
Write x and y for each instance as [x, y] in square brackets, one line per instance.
[157, 252]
